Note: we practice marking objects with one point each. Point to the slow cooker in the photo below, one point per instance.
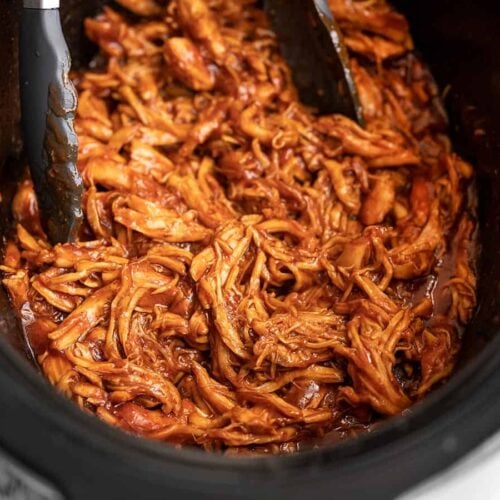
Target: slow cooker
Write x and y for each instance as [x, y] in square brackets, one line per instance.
[49, 449]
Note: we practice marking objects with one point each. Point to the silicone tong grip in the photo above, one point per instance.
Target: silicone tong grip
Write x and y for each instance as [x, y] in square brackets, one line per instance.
[48, 106]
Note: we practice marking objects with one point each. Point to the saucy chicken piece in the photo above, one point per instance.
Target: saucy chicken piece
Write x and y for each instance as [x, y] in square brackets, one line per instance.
[251, 276]
[186, 63]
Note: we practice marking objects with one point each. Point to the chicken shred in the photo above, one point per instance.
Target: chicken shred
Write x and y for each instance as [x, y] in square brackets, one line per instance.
[250, 275]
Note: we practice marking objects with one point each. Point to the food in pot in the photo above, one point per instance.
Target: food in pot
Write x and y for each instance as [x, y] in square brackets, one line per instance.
[251, 275]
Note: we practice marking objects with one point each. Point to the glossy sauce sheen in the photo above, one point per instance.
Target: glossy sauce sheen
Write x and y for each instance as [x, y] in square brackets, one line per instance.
[251, 276]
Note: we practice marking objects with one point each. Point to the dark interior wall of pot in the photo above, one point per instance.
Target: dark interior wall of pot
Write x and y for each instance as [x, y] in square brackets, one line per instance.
[10, 141]
[460, 40]
[9, 88]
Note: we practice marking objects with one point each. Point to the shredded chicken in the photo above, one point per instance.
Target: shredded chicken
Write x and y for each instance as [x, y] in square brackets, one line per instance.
[251, 275]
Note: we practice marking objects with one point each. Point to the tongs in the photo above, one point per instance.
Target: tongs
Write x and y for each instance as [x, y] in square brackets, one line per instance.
[310, 41]
[312, 44]
[48, 105]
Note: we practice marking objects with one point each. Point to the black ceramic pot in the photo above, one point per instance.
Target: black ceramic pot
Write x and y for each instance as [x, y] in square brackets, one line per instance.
[49, 448]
